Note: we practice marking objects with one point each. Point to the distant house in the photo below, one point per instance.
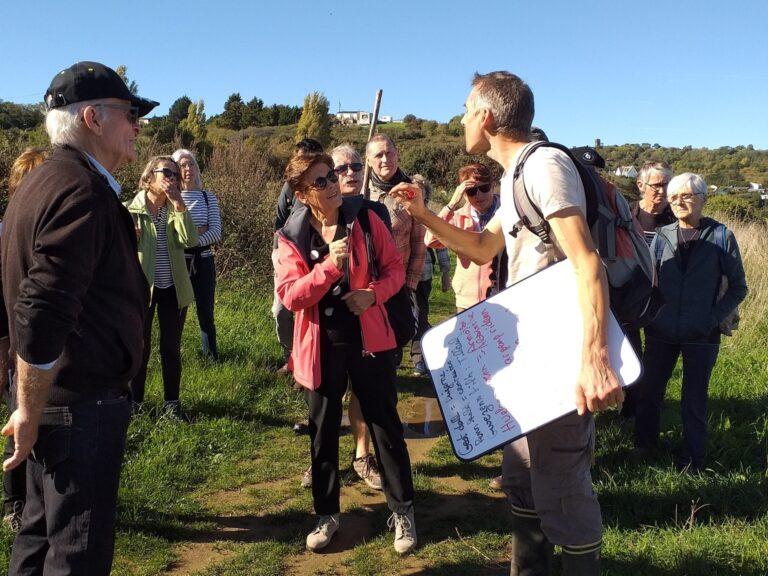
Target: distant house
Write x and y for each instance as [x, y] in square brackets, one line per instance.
[626, 171]
[359, 117]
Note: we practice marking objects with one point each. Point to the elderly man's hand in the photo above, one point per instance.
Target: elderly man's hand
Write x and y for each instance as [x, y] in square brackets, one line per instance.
[411, 196]
[23, 428]
[598, 387]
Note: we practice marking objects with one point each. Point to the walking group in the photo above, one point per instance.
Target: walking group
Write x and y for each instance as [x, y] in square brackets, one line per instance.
[83, 276]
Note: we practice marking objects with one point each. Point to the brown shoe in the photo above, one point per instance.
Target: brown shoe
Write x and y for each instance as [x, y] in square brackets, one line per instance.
[283, 370]
[368, 471]
[495, 483]
[306, 478]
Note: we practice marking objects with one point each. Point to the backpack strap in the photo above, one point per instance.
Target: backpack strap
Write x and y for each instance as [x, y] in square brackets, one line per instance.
[370, 252]
[658, 249]
[205, 197]
[722, 242]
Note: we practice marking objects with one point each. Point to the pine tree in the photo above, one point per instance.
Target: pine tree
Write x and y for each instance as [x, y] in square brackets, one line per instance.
[232, 117]
[315, 121]
[132, 86]
[194, 123]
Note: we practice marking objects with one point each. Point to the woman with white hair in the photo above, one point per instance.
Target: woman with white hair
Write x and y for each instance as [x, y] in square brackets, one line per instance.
[203, 206]
[702, 280]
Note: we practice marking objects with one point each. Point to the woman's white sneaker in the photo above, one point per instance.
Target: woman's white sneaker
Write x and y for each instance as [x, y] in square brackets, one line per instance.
[405, 531]
[324, 531]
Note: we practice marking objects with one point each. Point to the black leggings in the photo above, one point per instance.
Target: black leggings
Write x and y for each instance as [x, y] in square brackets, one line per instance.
[171, 321]
[203, 277]
[373, 381]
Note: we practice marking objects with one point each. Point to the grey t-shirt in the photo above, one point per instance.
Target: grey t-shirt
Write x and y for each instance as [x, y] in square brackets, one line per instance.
[553, 184]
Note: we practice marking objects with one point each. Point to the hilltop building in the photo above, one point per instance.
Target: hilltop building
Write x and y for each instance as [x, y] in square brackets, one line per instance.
[359, 117]
[626, 171]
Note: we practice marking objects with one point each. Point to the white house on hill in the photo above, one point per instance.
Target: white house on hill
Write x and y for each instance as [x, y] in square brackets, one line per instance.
[626, 171]
[359, 117]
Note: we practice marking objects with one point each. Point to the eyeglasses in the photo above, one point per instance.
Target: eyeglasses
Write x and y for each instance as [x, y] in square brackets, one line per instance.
[167, 172]
[658, 187]
[321, 182]
[685, 197]
[132, 112]
[342, 169]
[484, 188]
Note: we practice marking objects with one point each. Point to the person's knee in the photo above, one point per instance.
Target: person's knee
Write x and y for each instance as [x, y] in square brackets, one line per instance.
[572, 520]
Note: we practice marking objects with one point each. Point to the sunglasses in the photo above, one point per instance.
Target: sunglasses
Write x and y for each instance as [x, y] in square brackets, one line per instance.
[321, 182]
[167, 172]
[342, 169]
[131, 112]
[484, 188]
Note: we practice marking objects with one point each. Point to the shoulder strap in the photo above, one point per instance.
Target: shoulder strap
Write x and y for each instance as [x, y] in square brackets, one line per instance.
[205, 197]
[658, 249]
[370, 252]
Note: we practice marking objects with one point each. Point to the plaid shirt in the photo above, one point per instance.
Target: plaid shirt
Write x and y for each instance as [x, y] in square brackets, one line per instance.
[409, 237]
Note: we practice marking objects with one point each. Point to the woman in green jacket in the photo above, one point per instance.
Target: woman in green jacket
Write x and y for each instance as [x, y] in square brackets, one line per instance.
[164, 229]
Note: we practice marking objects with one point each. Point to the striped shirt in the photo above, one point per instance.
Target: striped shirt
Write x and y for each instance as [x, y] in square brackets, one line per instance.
[163, 275]
[204, 214]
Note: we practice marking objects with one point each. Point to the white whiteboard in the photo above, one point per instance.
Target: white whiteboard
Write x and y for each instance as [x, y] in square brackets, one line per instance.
[510, 364]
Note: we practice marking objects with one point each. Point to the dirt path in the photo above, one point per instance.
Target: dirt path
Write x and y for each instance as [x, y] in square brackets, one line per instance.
[422, 426]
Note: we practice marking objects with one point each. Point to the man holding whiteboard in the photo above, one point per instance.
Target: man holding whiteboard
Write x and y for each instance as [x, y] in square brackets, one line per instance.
[546, 474]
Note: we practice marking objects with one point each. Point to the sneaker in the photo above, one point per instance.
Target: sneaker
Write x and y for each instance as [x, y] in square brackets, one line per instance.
[283, 370]
[495, 483]
[12, 519]
[405, 531]
[420, 369]
[306, 478]
[172, 411]
[301, 428]
[368, 471]
[321, 536]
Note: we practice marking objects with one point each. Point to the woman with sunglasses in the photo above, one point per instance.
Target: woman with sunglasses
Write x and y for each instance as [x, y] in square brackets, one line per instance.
[472, 282]
[342, 333]
[165, 229]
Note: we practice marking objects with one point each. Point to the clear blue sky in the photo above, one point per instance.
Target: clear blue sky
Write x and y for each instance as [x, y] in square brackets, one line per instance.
[673, 73]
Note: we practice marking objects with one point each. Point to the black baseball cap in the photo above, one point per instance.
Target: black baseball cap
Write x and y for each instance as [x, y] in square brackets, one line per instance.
[589, 157]
[91, 81]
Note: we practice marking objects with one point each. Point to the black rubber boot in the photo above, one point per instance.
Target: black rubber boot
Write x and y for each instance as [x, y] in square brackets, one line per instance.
[581, 564]
[531, 551]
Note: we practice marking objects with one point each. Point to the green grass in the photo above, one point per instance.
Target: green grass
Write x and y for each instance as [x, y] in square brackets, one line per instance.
[238, 464]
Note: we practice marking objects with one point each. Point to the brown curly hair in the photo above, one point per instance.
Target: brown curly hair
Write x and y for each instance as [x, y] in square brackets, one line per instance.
[28, 160]
[300, 163]
[477, 172]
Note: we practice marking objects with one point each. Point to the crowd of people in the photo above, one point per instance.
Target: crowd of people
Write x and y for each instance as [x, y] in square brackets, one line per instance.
[84, 275]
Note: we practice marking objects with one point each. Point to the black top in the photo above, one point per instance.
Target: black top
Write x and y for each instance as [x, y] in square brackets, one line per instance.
[687, 238]
[73, 288]
[340, 325]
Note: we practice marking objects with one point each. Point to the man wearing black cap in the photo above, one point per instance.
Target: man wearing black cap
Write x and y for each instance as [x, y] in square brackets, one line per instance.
[75, 297]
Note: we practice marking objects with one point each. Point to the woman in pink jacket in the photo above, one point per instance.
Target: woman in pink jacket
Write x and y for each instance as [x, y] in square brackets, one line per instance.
[341, 332]
[472, 283]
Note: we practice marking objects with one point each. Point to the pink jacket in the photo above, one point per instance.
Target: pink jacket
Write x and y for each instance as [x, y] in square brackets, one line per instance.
[471, 281]
[301, 288]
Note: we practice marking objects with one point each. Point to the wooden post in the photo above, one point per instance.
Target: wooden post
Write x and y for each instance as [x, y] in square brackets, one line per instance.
[371, 132]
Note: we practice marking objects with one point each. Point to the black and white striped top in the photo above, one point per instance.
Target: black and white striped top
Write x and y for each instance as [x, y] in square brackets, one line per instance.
[204, 214]
[163, 275]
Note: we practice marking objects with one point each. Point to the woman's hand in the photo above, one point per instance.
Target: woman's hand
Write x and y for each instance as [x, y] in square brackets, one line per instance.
[458, 194]
[171, 190]
[337, 251]
[359, 301]
[411, 196]
[202, 229]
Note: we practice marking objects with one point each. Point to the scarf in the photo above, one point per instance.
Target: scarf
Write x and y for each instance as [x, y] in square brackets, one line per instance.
[396, 179]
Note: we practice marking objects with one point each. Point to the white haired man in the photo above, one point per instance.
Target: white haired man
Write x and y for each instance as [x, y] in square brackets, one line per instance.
[75, 296]
[383, 158]
[546, 475]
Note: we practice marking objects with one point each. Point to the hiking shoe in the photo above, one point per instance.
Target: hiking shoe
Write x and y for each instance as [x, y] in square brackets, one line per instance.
[172, 411]
[405, 531]
[495, 483]
[301, 428]
[420, 369]
[321, 536]
[306, 478]
[368, 471]
[283, 370]
[12, 518]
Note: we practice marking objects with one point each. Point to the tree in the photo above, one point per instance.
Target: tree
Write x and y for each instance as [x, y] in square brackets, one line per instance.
[193, 126]
[132, 86]
[179, 110]
[315, 122]
[252, 113]
[232, 117]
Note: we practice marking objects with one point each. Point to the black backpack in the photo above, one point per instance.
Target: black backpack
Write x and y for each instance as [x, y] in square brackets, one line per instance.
[400, 311]
[629, 263]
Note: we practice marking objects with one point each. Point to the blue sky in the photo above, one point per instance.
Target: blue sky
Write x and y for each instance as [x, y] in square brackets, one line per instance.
[673, 73]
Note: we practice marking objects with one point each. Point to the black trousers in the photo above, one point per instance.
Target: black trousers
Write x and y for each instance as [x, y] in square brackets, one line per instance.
[423, 290]
[68, 525]
[658, 362]
[373, 382]
[203, 277]
[171, 321]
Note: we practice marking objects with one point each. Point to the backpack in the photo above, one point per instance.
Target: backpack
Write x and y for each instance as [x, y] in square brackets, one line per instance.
[629, 264]
[400, 311]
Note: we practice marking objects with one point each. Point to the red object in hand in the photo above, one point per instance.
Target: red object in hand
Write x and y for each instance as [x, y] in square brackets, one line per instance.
[411, 194]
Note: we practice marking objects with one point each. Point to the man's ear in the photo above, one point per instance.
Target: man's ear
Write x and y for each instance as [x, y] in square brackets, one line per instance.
[91, 120]
[486, 120]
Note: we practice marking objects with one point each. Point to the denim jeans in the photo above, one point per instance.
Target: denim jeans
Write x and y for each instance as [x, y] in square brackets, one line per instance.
[73, 472]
